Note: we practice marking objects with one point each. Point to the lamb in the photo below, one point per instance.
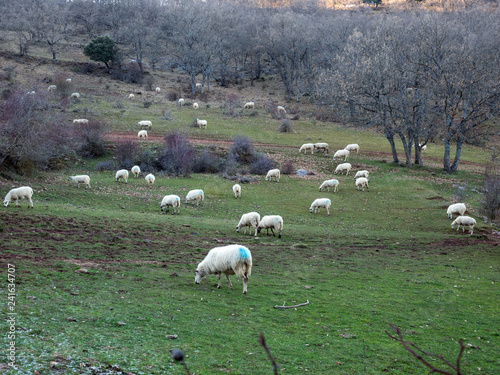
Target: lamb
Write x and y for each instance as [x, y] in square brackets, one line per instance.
[230, 259]
[75, 95]
[270, 222]
[145, 124]
[142, 134]
[456, 208]
[81, 179]
[250, 219]
[341, 154]
[273, 173]
[68, 80]
[171, 201]
[136, 170]
[150, 179]
[202, 124]
[352, 147]
[422, 148]
[131, 96]
[330, 183]
[122, 173]
[343, 167]
[198, 87]
[362, 183]
[80, 121]
[323, 147]
[157, 90]
[180, 102]
[195, 195]
[321, 203]
[249, 105]
[363, 173]
[52, 88]
[17, 194]
[196, 106]
[307, 147]
[464, 221]
[237, 190]
[281, 109]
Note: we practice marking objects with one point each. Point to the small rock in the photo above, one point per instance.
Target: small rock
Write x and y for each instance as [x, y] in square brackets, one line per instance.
[173, 274]
[301, 172]
[70, 319]
[82, 270]
[32, 297]
[172, 337]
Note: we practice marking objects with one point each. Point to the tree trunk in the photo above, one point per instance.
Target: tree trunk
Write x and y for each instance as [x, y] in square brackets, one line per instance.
[446, 157]
[454, 166]
[390, 138]
[418, 155]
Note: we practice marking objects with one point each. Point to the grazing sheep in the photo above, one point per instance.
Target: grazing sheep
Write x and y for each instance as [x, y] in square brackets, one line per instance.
[150, 179]
[157, 90]
[352, 147]
[142, 134]
[122, 173]
[136, 170]
[171, 201]
[180, 102]
[307, 147]
[464, 221]
[75, 95]
[341, 154]
[202, 124]
[362, 183]
[237, 190]
[273, 173]
[422, 148]
[343, 167]
[145, 124]
[363, 173]
[330, 183]
[131, 96]
[249, 105]
[198, 87]
[68, 80]
[52, 88]
[80, 121]
[17, 194]
[196, 106]
[321, 203]
[323, 147]
[195, 195]
[230, 259]
[456, 208]
[80, 179]
[250, 219]
[270, 222]
[281, 109]
[31, 93]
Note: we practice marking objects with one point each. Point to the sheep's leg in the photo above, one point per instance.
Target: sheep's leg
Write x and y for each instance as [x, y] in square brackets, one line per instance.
[30, 203]
[273, 232]
[328, 211]
[218, 285]
[245, 281]
[229, 281]
[279, 234]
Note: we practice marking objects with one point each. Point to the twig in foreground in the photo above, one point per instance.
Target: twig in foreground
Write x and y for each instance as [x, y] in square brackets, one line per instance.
[262, 342]
[291, 307]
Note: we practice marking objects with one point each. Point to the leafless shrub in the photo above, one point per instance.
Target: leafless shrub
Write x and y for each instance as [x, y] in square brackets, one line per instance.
[64, 88]
[90, 139]
[242, 150]
[178, 155]
[172, 96]
[490, 202]
[230, 104]
[285, 126]
[125, 154]
[148, 83]
[288, 167]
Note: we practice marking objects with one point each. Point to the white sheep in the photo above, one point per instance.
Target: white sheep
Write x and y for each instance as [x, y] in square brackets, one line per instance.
[362, 183]
[171, 201]
[121, 174]
[273, 173]
[198, 86]
[52, 88]
[31, 93]
[281, 109]
[456, 208]
[145, 124]
[180, 102]
[343, 167]
[237, 190]
[75, 95]
[464, 221]
[157, 90]
[68, 80]
[352, 147]
[196, 106]
[136, 170]
[195, 195]
[363, 173]
[80, 121]
[17, 194]
[322, 146]
[422, 148]
[249, 105]
[150, 179]
[142, 134]
[131, 96]
[230, 260]
[270, 222]
[307, 147]
[202, 124]
[250, 219]
[80, 179]
[330, 183]
[341, 154]
[321, 203]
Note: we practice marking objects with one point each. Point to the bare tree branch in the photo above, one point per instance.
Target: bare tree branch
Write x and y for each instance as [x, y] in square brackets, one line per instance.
[291, 307]
[262, 342]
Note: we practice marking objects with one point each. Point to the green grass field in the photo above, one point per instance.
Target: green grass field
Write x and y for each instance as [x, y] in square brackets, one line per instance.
[384, 256]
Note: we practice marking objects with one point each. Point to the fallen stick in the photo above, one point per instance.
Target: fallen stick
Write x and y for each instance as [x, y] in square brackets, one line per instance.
[291, 307]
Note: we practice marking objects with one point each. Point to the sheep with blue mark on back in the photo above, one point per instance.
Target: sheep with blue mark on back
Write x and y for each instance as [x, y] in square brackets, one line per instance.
[321, 203]
[136, 170]
[330, 183]
[195, 195]
[230, 260]
[270, 222]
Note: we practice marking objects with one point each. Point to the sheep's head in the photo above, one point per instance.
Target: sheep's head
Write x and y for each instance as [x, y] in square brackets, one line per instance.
[198, 275]
[311, 209]
[6, 203]
[238, 229]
